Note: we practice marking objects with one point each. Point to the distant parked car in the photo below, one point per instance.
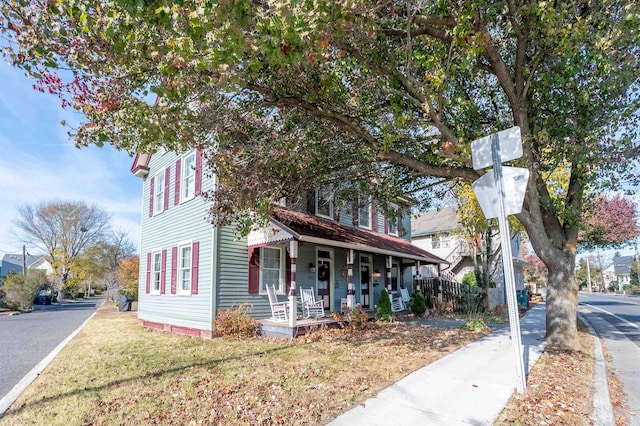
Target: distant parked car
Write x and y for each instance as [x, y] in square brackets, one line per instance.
[44, 297]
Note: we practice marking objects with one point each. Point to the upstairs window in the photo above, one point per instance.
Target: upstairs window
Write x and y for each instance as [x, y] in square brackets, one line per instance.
[364, 213]
[324, 202]
[393, 227]
[188, 177]
[159, 193]
[440, 241]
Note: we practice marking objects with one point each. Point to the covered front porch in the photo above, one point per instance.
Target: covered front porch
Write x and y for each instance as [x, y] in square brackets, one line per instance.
[342, 265]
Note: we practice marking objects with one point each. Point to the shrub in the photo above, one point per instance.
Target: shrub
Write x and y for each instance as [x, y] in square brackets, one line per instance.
[474, 324]
[418, 304]
[21, 290]
[355, 319]
[469, 279]
[383, 311]
[235, 322]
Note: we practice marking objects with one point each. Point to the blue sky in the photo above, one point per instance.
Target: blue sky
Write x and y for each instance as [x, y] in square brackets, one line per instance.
[40, 163]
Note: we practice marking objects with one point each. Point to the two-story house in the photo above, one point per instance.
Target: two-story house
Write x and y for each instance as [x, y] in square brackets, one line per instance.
[190, 268]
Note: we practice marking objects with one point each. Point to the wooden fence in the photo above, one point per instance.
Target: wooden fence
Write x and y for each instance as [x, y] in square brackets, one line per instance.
[464, 298]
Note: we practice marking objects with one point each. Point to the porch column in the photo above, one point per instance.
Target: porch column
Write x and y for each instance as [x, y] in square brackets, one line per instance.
[440, 282]
[293, 306]
[388, 271]
[417, 283]
[351, 294]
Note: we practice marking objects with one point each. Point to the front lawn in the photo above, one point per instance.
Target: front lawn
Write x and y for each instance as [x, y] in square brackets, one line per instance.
[116, 372]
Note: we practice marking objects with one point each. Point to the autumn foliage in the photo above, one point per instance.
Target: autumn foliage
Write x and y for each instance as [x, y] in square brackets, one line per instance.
[611, 222]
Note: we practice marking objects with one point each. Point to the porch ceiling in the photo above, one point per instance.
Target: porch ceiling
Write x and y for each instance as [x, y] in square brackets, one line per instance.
[317, 230]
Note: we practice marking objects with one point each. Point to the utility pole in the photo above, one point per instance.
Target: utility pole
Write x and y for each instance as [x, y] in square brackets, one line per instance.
[637, 259]
[604, 285]
[589, 275]
[24, 260]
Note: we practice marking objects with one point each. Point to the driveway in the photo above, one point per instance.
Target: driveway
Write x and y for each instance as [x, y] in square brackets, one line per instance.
[28, 338]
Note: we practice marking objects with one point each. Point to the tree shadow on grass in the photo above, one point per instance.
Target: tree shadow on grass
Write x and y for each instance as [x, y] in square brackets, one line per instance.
[145, 375]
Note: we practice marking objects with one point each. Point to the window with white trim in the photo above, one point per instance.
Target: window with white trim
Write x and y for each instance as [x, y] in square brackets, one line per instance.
[364, 213]
[156, 271]
[393, 226]
[159, 193]
[184, 269]
[188, 178]
[271, 269]
[441, 241]
[324, 202]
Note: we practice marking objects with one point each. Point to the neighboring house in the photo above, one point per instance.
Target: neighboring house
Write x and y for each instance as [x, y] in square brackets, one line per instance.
[622, 270]
[608, 275]
[14, 263]
[438, 231]
[190, 268]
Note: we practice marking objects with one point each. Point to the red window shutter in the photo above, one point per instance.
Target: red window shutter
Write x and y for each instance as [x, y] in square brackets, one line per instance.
[254, 270]
[167, 174]
[176, 198]
[385, 224]
[374, 216]
[151, 189]
[198, 183]
[287, 276]
[355, 214]
[195, 260]
[148, 289]
[163, 272]
[174, 269]
[400, 227]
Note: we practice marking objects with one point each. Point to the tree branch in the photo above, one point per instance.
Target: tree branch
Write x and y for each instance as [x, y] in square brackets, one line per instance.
[427, 169]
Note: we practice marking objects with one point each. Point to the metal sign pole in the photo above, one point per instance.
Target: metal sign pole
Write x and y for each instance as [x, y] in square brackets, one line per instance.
[507, 262]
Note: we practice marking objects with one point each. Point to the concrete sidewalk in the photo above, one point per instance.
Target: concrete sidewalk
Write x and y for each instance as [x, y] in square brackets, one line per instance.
[468, 387]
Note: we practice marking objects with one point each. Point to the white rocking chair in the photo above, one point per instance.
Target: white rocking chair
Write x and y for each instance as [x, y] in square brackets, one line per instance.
[311, 307]
[404, 295]
[279, 310]
[396, 304]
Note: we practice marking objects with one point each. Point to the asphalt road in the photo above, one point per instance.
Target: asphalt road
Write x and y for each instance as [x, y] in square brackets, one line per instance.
[28, 338]
[616, 319]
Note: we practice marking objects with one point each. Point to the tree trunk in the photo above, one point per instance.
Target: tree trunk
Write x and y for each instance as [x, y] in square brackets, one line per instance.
[562, 303]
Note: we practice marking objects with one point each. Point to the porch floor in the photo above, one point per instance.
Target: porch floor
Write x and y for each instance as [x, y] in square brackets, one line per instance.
[281, 329]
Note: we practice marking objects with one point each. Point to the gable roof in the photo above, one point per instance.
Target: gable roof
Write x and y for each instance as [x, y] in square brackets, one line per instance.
[434, 221]
[622, 264]
[303, 227]
[140, 166]
[16, 259]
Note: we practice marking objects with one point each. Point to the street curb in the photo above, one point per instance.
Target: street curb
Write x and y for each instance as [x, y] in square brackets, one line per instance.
[602, 409]
[17, 390]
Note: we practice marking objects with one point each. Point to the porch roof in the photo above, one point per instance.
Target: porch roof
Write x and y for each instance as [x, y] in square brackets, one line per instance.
[317, 230]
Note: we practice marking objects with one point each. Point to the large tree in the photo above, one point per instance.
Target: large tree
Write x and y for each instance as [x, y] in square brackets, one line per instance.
[64, 230]
[301, 94]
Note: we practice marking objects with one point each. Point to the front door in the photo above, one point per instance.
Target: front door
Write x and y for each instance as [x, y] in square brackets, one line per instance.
[325, 276]
[365, 281]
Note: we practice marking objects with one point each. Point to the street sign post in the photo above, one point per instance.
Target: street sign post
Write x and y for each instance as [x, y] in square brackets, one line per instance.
[489, 189]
